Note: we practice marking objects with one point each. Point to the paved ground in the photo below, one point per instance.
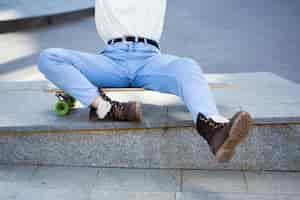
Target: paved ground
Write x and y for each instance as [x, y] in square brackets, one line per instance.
[231, 36]
[35, 183]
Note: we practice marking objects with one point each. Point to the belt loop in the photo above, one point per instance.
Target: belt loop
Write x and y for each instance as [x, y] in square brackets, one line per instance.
[145, 41]
[136, 39]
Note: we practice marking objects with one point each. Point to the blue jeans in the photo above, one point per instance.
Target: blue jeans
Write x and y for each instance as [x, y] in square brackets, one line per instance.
[128, 64]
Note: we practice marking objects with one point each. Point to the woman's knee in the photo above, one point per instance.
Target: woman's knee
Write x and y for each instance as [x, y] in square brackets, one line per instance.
[186, 67]
[46, 58]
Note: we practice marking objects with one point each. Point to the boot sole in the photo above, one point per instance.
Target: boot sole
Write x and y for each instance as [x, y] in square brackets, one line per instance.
[138, 111]
[238, 132]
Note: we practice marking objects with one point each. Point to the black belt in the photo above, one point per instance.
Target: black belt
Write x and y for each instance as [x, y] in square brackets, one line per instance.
[134, 39]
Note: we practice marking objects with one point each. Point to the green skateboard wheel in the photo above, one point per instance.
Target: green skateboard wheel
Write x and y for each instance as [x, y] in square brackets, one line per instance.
[62, 108]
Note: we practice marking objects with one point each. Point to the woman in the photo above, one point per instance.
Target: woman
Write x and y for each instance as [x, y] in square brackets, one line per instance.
[132, 58]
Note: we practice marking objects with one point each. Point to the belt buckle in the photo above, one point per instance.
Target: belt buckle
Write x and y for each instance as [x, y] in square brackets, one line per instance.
[136, 39]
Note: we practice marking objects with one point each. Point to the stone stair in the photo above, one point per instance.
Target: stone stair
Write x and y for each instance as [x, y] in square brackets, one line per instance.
[30, 132]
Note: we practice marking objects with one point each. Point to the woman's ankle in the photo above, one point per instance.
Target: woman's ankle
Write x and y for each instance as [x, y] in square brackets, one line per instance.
[96, 102]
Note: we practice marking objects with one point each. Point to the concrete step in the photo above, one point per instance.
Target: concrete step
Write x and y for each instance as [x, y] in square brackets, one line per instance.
[31, 133]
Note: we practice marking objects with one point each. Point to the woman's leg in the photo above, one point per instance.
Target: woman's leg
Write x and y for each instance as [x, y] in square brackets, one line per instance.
[81, 74]
[182, 77]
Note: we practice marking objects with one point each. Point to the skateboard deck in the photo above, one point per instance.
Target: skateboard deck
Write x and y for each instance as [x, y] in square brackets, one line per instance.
[53, 89]
[66, 102]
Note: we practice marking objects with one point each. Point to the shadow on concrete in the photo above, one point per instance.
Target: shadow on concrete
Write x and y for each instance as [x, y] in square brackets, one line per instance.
[34, 22]
[12, 10]
[18, 63]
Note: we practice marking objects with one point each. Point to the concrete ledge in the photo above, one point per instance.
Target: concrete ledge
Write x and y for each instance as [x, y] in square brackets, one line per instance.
[165, 138]
[17, 14]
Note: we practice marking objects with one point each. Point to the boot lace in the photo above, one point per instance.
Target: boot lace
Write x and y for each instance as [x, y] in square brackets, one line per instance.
[211, 123]
[117, 109]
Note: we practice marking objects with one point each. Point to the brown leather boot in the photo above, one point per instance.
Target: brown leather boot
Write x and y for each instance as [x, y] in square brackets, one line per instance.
[224, 137]
[127, 111]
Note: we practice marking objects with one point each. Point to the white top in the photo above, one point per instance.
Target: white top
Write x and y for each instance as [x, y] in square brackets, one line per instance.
[118, 18]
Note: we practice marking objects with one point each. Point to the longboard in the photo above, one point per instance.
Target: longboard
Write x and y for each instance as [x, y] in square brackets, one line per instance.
[66, 102]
